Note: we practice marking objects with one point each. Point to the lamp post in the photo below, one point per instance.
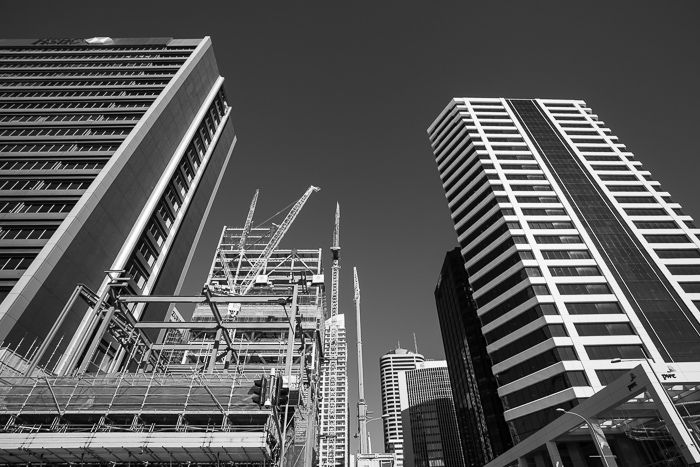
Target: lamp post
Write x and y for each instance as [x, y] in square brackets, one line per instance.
[369, 439]
[600, 446]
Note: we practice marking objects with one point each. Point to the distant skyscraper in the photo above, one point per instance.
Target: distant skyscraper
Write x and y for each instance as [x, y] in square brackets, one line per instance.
[430, 433]
[575, 255]
[111, 152]
[483, 431]
[389, 366]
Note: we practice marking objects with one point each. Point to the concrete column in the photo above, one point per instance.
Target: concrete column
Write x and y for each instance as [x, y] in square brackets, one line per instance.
[553, 452]
[601, 445]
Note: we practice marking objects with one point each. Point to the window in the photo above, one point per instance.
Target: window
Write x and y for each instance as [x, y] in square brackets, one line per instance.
[581, 289]
[506, 284]
[527, 341]
[545, 239]
[565, 254]
[156, 232]
[645, 211]
[655, 225]
[544, 388]
[31, 232]
[517, 299]
[678, 253]
[589, 308]
[537, 199]
[691, 287]
[685, 270]
[667, 239]
[635, 199]
[608, 352]
[551, 225]
[559, 271]
[604, 329]
[608, 376]
[519, 321]
[543, 212]
[15, 262]
[543, 360]
[147, 252]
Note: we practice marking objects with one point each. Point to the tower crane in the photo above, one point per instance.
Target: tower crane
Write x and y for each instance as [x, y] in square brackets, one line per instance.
[249, 280]
[335, 269]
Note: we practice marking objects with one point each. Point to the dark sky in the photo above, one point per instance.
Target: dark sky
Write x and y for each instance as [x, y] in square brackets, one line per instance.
[340, 95]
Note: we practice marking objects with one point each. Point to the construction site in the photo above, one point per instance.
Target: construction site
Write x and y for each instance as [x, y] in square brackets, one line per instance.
[230, 377]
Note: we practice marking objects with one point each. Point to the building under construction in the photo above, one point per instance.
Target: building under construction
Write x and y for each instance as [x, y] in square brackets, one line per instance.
[333, 440]
[230, 379]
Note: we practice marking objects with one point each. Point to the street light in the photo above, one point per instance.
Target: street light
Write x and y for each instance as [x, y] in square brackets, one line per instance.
[593, 433]
[369, 439]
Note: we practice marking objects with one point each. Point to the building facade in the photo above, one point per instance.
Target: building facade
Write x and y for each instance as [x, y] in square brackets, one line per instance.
[390, 364]
[333, 408]
[333, 439]
[483, 431]
[111, 153]
[431, 435]
[579, 263]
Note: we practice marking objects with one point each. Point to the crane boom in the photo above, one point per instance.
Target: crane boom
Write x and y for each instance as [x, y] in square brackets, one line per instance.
[249, 280]
[361, 404]
[244, 237]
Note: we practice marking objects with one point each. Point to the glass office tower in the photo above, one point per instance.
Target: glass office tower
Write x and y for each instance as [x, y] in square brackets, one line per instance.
[579, 263]
[111, 152]
[483, 431]
[431, 437]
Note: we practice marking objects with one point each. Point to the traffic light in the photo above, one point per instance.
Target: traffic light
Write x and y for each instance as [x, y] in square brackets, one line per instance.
[261, 393]
[282, 393]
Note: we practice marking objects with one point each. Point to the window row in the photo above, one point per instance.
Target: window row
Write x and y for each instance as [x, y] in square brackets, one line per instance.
[22, 207]
[76, 94]
[15, 262]
[79, 83]
[66, 118]
[544, 388]
[65, 131]
[44, 164]
[140, 264]
[30, 232]
[116, 106]
[58, 147]
[48, 184]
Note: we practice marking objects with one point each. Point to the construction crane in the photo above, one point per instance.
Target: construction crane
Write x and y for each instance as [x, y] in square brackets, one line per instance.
[361, 404]
[335, 269]
[230, 278]
[249, 280]
[244, 234]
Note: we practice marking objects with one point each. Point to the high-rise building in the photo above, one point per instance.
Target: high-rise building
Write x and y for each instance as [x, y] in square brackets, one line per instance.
[430, 433]
[333, 407]
[483, 431]
[333, 439]
[390, 364]
[111, 153]
[579, 263]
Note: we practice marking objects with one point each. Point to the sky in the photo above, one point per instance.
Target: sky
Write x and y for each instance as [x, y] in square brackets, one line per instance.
[339, 95]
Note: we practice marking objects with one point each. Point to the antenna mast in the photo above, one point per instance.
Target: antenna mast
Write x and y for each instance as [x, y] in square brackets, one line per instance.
[361, 404]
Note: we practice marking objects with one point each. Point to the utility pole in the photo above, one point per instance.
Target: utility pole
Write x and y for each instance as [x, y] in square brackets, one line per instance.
[361, 404]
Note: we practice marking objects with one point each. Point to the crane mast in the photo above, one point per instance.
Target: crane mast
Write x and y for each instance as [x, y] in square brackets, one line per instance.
[361, 404]
[335, 269]
[244, 236]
